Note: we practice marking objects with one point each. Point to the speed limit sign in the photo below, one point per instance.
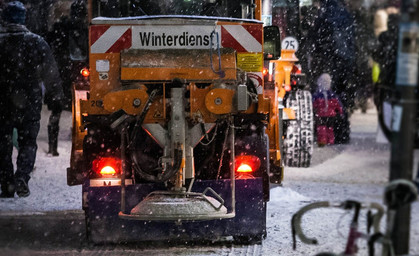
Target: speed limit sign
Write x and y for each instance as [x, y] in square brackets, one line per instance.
[289, 43]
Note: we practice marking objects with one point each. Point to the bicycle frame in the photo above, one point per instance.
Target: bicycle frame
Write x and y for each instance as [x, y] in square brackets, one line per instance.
[351, 243]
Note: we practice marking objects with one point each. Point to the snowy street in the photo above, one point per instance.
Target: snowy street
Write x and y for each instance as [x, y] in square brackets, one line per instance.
[356, 171]
[215, 127]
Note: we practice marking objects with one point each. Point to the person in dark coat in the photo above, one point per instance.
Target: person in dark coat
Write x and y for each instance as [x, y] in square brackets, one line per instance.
[26, 62]
[385, 54]
[364, 44]
[333, 52]
[68, 40]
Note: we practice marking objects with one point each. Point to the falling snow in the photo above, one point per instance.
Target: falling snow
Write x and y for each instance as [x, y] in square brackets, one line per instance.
[357, 171]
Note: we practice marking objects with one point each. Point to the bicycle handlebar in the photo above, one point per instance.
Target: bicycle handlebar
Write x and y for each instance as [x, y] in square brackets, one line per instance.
[296, 223]
[376, 218]
[297, 217]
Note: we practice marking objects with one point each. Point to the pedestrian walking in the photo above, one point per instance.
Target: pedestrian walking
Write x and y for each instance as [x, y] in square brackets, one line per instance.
[53, 126]
[364, 44]
[385, 54]
[67, 36]
[26, 61]
[68, 39]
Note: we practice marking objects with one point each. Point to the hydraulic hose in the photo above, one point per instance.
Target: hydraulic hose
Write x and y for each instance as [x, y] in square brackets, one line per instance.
[171, 170]
[162, 176]
[140, 119]
[220, 72]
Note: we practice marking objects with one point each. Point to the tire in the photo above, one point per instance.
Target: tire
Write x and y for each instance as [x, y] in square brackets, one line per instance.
[299, 133]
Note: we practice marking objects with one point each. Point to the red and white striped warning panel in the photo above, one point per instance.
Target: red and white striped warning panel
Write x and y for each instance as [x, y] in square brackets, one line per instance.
[244, 38]
[108, 39]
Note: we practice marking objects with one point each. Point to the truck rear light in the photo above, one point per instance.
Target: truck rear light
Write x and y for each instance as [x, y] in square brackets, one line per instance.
[265, 71]
[107, 166]
[247, 164]
[243, 168]
[108, 170]
[85, 72]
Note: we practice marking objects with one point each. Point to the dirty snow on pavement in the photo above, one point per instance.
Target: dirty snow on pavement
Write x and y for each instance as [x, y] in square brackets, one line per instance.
[357, 171]
[48, 183]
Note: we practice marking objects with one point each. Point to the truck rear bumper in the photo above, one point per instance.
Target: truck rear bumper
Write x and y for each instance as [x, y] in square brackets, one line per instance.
[104, 225]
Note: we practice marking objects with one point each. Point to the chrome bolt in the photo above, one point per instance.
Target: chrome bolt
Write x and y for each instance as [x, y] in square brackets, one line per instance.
[218, 101]
[136, 103]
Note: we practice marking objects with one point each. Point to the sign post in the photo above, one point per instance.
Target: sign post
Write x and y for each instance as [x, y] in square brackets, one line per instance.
[404, 116]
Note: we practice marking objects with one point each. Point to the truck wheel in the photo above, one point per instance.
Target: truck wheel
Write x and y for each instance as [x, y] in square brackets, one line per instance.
[299, 133]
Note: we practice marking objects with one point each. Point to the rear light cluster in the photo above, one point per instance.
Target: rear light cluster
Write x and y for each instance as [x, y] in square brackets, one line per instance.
[107, 166]
[265, 72]
[246, 165]
[85, 72]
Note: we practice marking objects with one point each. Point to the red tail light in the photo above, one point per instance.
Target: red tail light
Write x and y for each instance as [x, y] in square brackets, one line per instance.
[265, 71]
[243, 168]
[247, 164]
[107, 166]
[85, 72]
[108, 170]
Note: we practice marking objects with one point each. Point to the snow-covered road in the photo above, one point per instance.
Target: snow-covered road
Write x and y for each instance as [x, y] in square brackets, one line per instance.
[356, 171]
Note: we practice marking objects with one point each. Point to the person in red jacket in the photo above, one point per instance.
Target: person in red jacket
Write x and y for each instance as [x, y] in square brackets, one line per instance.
[327, 107]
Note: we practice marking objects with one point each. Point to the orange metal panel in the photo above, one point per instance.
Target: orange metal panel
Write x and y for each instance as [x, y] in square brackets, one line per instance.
[166, 74]
[131, 101]
[272, 130]
[157, 111]
[258, 10]
[199, 111]
[219, 101]
[289, 113]
[283, 68]
[264, 103]
[100, 86]
[164, 65]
